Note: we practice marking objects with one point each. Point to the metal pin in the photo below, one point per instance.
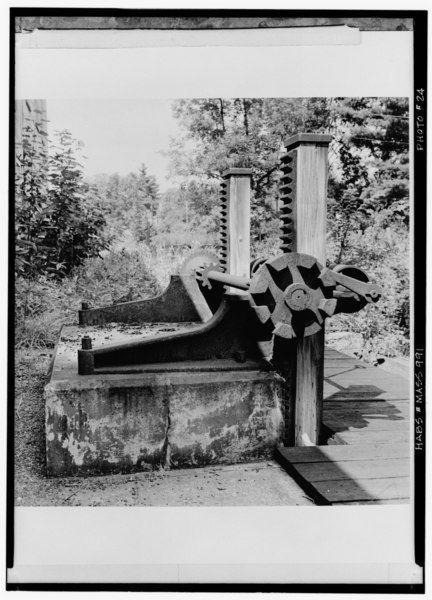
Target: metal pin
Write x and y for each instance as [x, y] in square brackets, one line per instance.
[86, 343]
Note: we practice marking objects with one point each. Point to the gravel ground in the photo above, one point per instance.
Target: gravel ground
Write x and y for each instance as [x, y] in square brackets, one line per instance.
[253, 484]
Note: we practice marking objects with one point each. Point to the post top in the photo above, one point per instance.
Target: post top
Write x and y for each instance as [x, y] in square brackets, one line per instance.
[237, 171]
[315, 139]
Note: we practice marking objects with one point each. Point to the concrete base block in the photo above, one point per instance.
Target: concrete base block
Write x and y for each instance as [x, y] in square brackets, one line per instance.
[162, 417]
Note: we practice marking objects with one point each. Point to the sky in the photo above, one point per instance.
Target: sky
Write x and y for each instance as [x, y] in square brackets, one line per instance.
[118, 135]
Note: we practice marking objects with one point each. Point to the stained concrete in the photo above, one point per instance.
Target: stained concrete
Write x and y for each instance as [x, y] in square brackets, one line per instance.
[250, 484]
[128, 422]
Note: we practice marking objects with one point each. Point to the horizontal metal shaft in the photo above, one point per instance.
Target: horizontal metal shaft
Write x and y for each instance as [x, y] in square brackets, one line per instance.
[241, 283]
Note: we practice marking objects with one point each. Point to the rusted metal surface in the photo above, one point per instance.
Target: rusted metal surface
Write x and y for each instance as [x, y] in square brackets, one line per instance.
[233, 331]
[175, 304]
[205, 301]
[206, 20]
[289, 297]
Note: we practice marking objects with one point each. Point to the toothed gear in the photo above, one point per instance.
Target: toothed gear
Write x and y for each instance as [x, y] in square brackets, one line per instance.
[287, 191]
[287, 292]
[223, 233]
[196, 260]
[202, 273]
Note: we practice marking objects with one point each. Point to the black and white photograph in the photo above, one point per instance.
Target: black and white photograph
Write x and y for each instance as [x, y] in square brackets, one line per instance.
[213, 290]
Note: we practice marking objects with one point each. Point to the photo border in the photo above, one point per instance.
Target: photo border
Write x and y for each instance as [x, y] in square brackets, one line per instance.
[419, 227]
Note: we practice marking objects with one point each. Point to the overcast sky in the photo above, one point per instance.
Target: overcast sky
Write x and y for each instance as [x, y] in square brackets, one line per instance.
[118, 135]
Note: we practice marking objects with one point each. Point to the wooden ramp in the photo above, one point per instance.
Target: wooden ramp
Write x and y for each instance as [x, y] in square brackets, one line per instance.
[366, 432]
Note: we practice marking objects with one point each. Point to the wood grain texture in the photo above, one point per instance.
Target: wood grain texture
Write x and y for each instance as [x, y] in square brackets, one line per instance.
[239, 228]
[309, 389]
[310, 238]
[322, 454]
[386, 488]
[367, 459]
[312, 200]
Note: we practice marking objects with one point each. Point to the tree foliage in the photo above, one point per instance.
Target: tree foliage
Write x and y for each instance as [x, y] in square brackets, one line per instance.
[58, 219]
[368, 198]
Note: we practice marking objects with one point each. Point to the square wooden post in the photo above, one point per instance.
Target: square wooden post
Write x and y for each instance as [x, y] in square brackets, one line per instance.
[309, 154]
[235, 224]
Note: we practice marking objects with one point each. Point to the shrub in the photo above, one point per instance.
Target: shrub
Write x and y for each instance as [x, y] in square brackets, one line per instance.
[59, 222]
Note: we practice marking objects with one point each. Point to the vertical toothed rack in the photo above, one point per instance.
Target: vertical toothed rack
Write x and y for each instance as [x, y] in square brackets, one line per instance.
[303, 189]
[235, 224]
[287, 191]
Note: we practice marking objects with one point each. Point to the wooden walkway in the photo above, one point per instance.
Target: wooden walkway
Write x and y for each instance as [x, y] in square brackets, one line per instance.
[366, 430]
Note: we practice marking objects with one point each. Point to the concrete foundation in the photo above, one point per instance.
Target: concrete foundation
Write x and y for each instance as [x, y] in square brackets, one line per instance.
[218, 412]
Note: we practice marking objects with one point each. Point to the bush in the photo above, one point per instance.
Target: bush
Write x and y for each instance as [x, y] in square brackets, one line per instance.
[58, 220]
[44, 304]
[382, 250]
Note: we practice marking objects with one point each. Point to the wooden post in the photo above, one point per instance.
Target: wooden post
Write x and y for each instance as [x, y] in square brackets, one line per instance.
[236, 230]
[309, 193]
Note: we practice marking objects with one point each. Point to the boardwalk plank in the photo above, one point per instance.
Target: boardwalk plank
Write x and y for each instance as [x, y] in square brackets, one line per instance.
[311, 454]
[360, 469]
[347, 490]
[365, 437]
[367, 459]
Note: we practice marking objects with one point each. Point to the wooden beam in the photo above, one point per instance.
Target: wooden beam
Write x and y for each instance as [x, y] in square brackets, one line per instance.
[238, 205]
[310, 209]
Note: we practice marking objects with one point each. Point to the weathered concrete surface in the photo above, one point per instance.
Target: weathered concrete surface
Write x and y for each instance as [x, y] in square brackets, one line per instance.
[251, 484]
[128, 422]
[103, 428]
[225, 422]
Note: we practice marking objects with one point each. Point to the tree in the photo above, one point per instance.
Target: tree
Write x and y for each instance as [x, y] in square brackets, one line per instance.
[243, 132]
[145, 205]
[189, 215]
[59, 222]
[368, 201]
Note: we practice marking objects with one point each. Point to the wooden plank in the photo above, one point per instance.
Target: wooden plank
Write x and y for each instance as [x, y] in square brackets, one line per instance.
[354, 421]
[343, 453]
[364, 427]
[362, 397]
[374, 502]
[309, 389]
[360, 469]
[347, 490]
[239, 225]
[367, 437]
[309, 193]
[377, 376]
[374, 407]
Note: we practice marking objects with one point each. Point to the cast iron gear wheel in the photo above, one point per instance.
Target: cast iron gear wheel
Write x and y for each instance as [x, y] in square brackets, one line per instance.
[196, 261]
[287, 292]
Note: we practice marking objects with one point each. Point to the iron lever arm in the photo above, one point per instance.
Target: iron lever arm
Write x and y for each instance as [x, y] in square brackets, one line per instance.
[369, 291]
